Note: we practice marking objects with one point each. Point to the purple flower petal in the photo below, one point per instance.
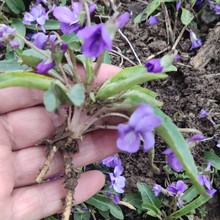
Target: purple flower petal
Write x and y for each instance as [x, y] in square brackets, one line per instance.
[77, 7]
[157, 189]
[96, 40]
[152, 20]
[149, 141]
[14, 44]
[211, 192]
[68, 29]
[123, 19]
[65, 15]
[147, 123]
[196, 137]
[92, 8]
[116, 199]
[142, 110]
[112, 161]
[194, 40]
[117, 181]
[142, 122]
[179, 186]
[203, 114]
[173, 161]
[45, 66]
[154, 66]
[178, 5]
[128, 139]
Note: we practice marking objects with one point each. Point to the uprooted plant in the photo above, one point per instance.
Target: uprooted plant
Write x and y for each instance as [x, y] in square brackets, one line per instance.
[50, 62]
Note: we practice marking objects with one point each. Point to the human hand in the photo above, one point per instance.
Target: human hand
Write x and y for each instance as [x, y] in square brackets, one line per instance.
[23, 122]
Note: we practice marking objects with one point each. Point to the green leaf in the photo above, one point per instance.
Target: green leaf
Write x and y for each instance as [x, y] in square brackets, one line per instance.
[49, 25]
[73, 41]
[125, 79]
[11, 65]
[170, 68]
[105, 214]
[25, 79]
[32, 57]
[213, 158]
[16, 6]
[107, 58]
[189, 195]
[55, 96]
[171, 135]
[87, 64]
[82, 216]
[150, 201]
[63, 2]
[134, 199]
[151, 7]
[190, 207]
[77, 94]
[186, 17]
[19, 29]
[103, 203]
[136, 96]
[51, 102]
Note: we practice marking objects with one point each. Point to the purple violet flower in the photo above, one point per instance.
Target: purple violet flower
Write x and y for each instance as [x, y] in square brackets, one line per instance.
[92, 8]
[157, 189]
[205, 181]
[196, 42]
[215, 6]
[45, 66]
[69, 20]
[154, 66]
[178, 189]
[117, 181]
[39, 1]
[64, 47]
[141, 123]
[6, 36]
[116, 199]
[41, 39]
[152, 20]
[196, 137]
[37, 15]
[178, 5]
[123, 19]
[173, 161]
[203, 114]
[96, 40]
[112, 161]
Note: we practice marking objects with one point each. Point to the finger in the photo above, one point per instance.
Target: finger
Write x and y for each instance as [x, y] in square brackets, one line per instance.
[6, 172]
[23, 128]
[18, 98]
[95, 147]
[39, 201]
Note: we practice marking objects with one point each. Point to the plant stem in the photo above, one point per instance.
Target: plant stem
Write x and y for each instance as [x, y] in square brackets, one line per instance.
[74, 65]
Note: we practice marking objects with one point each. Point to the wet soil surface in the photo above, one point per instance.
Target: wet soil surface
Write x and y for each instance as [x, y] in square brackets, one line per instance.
[184, 93]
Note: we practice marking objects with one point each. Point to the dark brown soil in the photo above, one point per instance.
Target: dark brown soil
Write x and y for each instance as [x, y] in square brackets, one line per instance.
[184, 93]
